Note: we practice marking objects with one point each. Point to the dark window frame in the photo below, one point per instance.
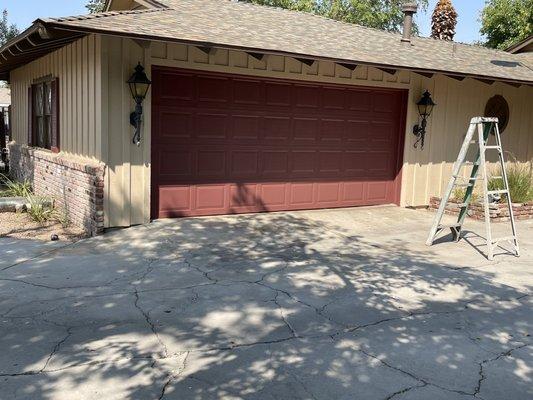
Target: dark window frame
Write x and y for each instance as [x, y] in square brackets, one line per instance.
[43, 103]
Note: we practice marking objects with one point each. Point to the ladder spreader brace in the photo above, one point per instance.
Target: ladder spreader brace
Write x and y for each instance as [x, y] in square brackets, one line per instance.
[484, 127]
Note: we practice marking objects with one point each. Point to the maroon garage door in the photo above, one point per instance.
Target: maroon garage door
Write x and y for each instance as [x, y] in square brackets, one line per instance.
[226, 144]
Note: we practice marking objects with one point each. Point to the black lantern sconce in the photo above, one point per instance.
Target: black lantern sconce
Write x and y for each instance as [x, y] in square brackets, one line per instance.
[425, 108]
[139, 85]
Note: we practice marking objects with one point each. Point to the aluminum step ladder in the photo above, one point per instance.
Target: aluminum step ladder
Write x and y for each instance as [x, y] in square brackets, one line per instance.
[484, 128]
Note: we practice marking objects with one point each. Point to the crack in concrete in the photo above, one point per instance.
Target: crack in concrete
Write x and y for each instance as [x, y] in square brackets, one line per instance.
[280, 307]
[405, 390]
[482, 376]
[173, 376]
[146, 314]
[53, 352]
[424, 382]
[39, 255]
[55, 287]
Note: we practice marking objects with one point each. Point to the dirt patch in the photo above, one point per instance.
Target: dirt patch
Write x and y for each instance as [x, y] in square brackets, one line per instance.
[21, 226]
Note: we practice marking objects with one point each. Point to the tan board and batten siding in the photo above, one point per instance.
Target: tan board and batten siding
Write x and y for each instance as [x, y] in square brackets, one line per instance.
[95, 119]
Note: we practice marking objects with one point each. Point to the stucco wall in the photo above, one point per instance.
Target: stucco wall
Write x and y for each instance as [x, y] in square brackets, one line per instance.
[105, 134]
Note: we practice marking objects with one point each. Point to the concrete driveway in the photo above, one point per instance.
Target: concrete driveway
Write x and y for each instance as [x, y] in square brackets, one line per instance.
[346, 304]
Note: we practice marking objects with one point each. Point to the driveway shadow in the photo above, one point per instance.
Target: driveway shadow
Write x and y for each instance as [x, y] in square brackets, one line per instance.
[260, 307]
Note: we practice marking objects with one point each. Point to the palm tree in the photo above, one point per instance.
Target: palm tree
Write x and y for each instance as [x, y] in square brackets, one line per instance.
[444, 21]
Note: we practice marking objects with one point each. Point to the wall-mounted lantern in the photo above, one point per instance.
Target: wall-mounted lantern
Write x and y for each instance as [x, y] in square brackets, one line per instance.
[139, 85]
[425, 107]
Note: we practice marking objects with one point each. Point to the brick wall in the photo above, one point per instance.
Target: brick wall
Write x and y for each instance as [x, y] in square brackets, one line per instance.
[498, 211]
[76, 186]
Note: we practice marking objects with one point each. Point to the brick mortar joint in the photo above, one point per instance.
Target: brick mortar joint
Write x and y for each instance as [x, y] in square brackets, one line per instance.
[93, 168]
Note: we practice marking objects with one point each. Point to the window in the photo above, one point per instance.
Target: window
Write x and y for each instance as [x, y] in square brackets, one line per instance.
[44, 103]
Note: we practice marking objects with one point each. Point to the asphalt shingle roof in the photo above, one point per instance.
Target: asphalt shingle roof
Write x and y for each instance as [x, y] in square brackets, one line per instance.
[251, 27]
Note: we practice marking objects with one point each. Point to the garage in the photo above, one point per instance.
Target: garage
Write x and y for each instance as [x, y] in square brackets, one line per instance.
[227, 144]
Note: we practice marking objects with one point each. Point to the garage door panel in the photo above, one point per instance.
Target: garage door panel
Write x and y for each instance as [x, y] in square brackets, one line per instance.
[353, 192]
[175, 124]
[248, 92]
[307, 96]
[211, 197]
[234, 144]
[273, 194]
[332, 130]
[328, 192]
[211, 126]
[211, 163]
[278, 94]
[276, 129]
[377, 191]
[330, 162]
[275, 163]
[176, 163]
[244, 163]
[244, 196]
[173, 199]
[304, 162]
[245, 128]
[359, 100]
[301, 194]
[173, 86]
[213, 89]
[334, 99]
[305, 130]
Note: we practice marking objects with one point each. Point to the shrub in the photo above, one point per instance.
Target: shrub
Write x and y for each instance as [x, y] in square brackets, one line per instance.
[459, 195]
[14, 188]
[520, 179]
[40, 209]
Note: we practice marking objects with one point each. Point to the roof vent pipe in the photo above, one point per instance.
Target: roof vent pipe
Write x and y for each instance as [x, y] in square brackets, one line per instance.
[409, 9]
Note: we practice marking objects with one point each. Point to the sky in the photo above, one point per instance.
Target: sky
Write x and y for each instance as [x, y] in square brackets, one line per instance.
[23, 12]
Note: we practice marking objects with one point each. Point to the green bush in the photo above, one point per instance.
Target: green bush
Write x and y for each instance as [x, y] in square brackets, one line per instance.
[520, 179]
[40, 209]
[458, 194]
[14, 188]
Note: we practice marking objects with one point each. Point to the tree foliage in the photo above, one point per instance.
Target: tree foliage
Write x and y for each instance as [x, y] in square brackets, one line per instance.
[95, 6]
[380, 14]
[7, 31]
[505, 22]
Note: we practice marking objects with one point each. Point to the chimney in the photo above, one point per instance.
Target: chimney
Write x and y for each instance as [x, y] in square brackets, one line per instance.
[409, 9]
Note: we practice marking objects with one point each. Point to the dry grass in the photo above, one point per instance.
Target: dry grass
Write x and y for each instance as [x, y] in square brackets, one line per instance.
[21, 226]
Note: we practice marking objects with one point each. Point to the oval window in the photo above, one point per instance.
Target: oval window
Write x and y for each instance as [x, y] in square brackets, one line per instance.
[498, 107]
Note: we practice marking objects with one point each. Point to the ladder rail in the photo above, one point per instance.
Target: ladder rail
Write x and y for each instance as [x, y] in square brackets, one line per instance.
[506, 185]
[483, 162]
[456, 169]
[483, 127]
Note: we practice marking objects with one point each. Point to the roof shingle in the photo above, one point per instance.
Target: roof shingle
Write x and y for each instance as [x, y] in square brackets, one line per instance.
[251, 27]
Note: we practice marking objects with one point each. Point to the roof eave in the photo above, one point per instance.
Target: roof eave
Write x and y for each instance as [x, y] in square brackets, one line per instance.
[36, 41]
[520, 45]
[423, 71]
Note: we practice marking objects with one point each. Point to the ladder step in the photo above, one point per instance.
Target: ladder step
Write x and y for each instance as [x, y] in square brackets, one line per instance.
[499, 148]
[464, 184]
[496, 177]
[470, 163]
[503, 191]
[503, 239]
[470, 179]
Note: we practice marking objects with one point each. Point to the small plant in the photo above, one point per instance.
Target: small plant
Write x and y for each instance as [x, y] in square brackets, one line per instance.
[39, 209]
[458, 194]
[14, 188]
[520, 177]
[63, 218]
